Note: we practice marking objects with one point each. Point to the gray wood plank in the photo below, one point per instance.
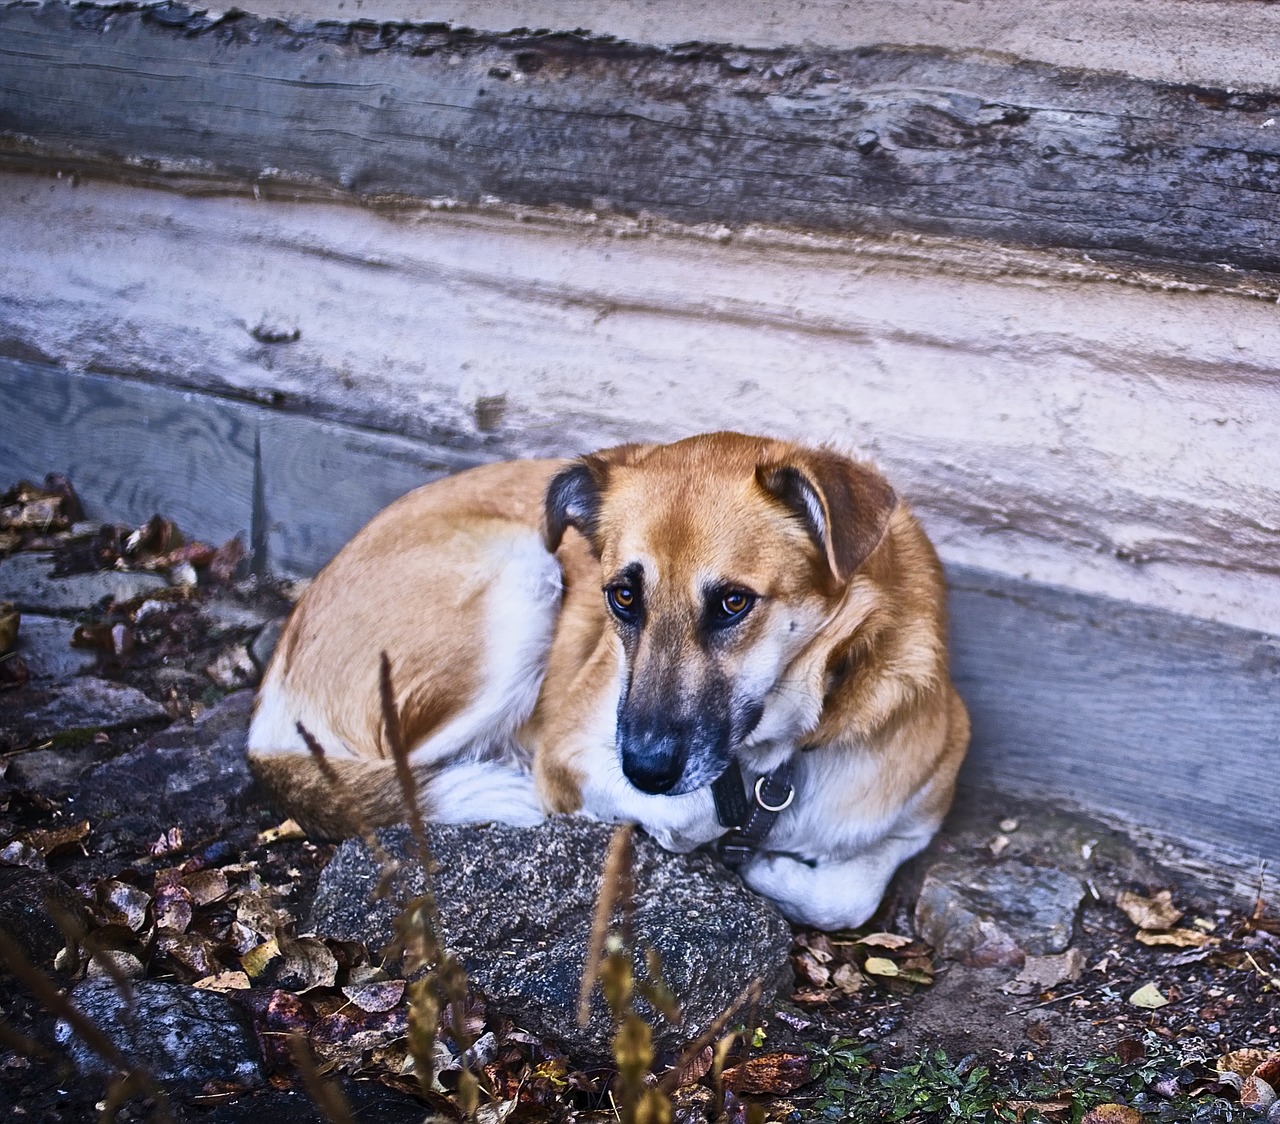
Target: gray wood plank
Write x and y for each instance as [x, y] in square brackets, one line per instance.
[130, 449]
[323, 482]
[880, 140]
[1156, 718]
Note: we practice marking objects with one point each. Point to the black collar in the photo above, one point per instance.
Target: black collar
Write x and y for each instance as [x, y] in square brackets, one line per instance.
[749, 819]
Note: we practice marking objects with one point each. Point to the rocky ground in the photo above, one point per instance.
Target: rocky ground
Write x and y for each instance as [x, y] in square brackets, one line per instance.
[155, 911]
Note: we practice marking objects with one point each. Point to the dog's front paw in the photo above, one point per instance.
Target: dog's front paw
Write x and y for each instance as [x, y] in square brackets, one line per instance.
[825, 895]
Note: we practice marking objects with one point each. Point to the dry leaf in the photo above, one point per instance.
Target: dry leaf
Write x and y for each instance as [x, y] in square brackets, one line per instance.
[769, 1073]
[879, 966]
[819, 945]
[57, 840]
[884, 940]
[1112, 1114]
[206, 886]
[168, 842]
[376, 995]
[694, 1070]
[1148, 997]
[809, 967]
[1176, 938]
[307, 963]
[1243, 1062]
[173, 908]
[255, 961]
[122, 904]
[848, 979]
[812, 995]
[281, 833]
[1257, 1094]
[1040, 973]
[1149, 913]
[224, 981]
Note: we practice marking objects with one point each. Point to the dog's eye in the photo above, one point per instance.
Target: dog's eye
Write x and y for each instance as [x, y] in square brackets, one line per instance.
[623, 600]
[733, 605]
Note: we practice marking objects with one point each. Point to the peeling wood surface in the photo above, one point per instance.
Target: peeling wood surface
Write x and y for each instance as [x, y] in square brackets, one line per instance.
[1209, 42]
[1147, 716]
[875, 140]
[1046, 418]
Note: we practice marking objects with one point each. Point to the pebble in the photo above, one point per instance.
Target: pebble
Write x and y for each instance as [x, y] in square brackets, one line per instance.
[27, 580]
[997, 915]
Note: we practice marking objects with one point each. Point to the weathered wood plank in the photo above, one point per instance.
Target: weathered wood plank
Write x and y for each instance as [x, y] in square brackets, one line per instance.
[1080, 430]
[290, 486]
[130, 450]
[322, 482]
[876, 140]
[1159, 719]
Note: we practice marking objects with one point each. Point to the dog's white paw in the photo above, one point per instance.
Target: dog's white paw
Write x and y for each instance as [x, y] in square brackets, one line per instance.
[827, 895]
[483, 792]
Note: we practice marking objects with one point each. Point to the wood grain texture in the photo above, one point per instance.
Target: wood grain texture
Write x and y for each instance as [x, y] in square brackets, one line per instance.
[875, 140]
[130, 450]
[217, 467]
[322, 482]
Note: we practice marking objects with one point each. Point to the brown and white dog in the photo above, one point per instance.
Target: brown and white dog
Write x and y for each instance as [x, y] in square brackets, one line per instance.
[607, 635]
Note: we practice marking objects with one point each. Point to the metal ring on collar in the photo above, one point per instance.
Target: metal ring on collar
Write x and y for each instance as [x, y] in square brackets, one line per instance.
[791, 795]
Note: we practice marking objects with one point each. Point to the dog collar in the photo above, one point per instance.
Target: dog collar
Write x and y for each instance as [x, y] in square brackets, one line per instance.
[749, 819]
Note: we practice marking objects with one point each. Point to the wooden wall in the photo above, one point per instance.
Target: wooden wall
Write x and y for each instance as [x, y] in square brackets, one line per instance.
[1148, 717]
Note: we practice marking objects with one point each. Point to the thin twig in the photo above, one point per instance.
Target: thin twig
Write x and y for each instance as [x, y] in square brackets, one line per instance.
[749, 994]
[1048, 1002]
[325, 1095]
[614, 880]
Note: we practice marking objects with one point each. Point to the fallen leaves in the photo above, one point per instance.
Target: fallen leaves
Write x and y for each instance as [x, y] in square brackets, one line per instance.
[1176, 938]
[1041, 973]
[776, 1073]
[1148, 997]
[1112, 1114]
[1157, 912]
[841, 967]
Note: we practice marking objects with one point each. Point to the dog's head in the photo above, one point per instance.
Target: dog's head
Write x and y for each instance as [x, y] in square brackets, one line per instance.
[722, 556]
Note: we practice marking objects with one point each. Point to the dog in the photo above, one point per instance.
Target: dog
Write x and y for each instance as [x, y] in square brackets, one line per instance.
[624, 636]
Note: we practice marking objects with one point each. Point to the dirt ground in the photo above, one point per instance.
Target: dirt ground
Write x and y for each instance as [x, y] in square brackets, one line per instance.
[1166, 1000]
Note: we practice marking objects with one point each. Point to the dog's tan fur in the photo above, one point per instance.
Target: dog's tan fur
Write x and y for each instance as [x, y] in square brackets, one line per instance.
[507, 662]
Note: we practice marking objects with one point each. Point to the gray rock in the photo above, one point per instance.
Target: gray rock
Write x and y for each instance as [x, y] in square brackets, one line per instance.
[230, 616]
[516, 906]
[996, 915]
[44, 643]
[48, 771]
[184, 1037]
[28, 900]
[46, 711]
[26, 579]
[193, 777]
[265, 642]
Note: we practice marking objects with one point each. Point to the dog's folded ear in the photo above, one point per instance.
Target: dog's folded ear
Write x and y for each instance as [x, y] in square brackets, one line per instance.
[845, 506]
[573, 500]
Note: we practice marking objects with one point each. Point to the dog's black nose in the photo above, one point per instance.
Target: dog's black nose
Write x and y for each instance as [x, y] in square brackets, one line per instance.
[654, 774]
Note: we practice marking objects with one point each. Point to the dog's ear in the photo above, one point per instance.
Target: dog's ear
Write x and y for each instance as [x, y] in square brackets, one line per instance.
[845, 506]
[573, 500]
